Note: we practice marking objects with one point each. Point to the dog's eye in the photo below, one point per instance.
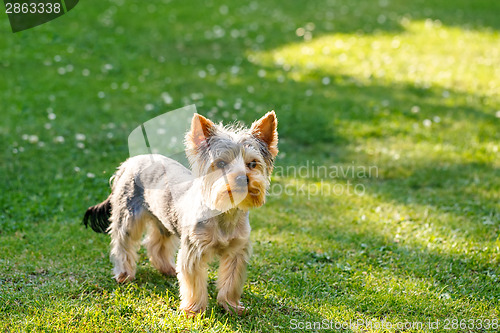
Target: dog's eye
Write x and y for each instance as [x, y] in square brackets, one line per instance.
[252, 164]
[220, 164]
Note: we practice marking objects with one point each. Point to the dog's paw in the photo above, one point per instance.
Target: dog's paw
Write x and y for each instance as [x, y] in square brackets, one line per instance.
[190, 313]
[233, 309]
[169, 271]
[124, 277]
[240, 310]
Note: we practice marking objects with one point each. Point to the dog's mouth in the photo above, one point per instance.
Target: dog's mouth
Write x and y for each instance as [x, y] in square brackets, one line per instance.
[236, 189]
[236, 194]
[254, 192]
[251, 195]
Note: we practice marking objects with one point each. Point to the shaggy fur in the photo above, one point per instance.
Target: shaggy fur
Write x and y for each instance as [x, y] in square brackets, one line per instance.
[204, 210]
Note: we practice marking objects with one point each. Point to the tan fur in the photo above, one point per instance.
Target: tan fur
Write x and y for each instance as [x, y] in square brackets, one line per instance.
[124, 247]
[161, 250]
[265, 130]
[232, 275]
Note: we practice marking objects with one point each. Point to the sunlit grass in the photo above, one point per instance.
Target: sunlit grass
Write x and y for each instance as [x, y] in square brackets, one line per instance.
[426, 54]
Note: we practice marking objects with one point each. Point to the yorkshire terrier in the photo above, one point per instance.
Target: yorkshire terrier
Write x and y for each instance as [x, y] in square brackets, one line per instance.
[205, 210]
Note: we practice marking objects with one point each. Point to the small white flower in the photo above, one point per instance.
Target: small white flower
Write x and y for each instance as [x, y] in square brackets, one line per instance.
[77, 169]
[436, 119]
[234, 70]
[445, 296]
[59, 139]
[149, 107]
[223, 10]
[196, 96]
[90, 175]
[80, 137]
[235, 33]
[415, 109]
[167, 99]
[427, 123]
[51, 116]
[33, 139]
[300, 32]
[80, 145]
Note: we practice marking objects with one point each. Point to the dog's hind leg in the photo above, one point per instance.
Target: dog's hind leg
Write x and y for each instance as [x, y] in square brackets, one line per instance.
[161, 246]
[126, 232]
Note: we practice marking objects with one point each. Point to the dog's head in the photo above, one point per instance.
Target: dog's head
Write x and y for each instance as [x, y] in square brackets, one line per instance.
[233, 163]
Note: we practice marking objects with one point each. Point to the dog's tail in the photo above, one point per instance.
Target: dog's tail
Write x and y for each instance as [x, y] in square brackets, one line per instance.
[98, 216]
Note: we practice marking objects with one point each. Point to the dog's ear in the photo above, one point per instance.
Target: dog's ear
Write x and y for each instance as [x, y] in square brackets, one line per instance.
[265, 129]
[201, 129]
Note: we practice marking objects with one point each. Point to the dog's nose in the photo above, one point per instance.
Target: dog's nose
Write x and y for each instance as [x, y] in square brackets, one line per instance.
[242, 180]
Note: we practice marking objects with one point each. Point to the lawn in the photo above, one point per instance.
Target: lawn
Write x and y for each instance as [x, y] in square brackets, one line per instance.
[409, 91]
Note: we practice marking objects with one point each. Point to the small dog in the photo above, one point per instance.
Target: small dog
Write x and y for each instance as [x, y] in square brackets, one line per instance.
[205, 210]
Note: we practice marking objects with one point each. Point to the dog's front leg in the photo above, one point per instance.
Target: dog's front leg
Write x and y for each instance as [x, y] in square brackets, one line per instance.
[192, 275]
[232, 275]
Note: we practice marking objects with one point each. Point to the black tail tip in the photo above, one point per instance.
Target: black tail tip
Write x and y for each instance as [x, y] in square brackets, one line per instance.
[98, 217]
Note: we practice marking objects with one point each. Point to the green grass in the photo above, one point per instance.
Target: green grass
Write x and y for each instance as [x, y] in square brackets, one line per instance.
[411, 88]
